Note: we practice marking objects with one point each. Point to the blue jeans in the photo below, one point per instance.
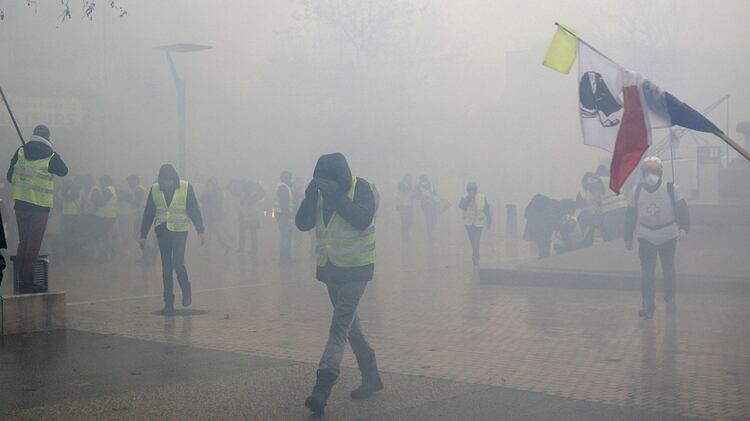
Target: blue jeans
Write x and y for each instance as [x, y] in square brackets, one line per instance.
[648, 253]
[345, 325]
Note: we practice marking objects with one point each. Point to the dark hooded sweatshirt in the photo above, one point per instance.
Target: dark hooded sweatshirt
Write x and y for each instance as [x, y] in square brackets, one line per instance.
[167, 172]
[358, 212]
[35, 150]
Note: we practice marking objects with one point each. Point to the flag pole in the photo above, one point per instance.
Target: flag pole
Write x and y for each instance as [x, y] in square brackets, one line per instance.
[721, 135]
[586, 44]
[671, 154]
[12, 118]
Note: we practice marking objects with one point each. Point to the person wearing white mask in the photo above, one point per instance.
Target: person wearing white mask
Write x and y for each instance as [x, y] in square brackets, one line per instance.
[658, 216]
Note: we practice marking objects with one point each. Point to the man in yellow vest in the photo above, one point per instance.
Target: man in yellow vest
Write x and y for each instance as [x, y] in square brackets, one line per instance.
[31, 173]
[477, 215]
[341, 209]
[105, 216]
[171, 207]
[285, 211]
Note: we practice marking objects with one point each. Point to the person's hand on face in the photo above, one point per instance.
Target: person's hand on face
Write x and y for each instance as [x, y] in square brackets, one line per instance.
[328, 187]
[312, 188]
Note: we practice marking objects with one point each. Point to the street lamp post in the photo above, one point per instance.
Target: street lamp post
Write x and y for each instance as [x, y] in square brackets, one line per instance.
[181, 98]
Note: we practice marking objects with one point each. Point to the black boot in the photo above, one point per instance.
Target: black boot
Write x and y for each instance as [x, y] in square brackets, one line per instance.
[322, 390]
[168, 309]
[371, 381]
[187, 296]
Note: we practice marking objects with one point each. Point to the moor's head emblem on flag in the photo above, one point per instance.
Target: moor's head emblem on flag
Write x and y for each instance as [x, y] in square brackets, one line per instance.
[596, 100]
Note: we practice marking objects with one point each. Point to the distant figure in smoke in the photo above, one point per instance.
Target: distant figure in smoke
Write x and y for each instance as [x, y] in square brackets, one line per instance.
[477, 215]
[405, 206]
[658, 215]
[341, 208]
[596, 100]
[250, 194]
[542, 218]
[171, 207]
[213, 215]
[427, 197]
[105, 201]
[284, 215]
[611, 209]
[31, 174]
[138, 196]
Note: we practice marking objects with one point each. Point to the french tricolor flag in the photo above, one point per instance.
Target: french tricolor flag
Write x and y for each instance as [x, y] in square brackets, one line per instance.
[619, 108]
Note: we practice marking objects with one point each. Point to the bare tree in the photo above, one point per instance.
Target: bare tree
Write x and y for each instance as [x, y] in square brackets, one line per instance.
[88, 7]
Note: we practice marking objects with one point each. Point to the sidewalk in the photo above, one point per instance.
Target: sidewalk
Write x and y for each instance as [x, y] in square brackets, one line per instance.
[78, 375]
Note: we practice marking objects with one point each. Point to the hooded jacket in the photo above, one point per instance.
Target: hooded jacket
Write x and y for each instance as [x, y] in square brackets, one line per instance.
[168, 173]
[359, 212]
[35, 149]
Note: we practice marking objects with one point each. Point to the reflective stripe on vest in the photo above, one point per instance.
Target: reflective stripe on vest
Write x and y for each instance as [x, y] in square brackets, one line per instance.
[290, 196]
[339, 242]
[32, 181]
[474, 213]
[109, 210]
[175, 215]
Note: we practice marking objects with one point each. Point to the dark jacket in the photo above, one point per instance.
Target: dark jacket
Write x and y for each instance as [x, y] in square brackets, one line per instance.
[34, 151]
[193, 210]
[358, 212]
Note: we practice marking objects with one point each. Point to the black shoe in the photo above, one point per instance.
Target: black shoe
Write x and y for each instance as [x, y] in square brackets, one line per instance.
[318, 399]
[167, 311]
[646, 313]
[187, 297]
[371, 382]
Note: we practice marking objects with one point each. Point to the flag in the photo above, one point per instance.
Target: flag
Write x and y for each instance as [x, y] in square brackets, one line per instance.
[646, 107]
[599, 93]
[561, 52]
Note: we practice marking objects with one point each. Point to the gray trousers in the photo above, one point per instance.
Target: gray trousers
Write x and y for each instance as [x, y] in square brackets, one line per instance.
[345, 325]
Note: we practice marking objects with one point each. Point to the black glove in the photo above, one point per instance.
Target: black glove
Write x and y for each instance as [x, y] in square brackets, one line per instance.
[329, 188]
[312, 188]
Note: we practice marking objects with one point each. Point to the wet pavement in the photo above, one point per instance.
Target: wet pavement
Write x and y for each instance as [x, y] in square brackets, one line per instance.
[449, 345]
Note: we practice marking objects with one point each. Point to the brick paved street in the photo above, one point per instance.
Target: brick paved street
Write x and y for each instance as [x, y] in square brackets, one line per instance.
[572, 343]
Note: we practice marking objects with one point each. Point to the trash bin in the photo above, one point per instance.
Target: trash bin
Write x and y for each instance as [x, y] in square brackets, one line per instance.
[41, 273]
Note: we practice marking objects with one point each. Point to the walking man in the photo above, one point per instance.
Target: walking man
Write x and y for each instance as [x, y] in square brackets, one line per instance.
[341, 208]
[170, 207]
[658, 216]
[31, 173]
[477, 215]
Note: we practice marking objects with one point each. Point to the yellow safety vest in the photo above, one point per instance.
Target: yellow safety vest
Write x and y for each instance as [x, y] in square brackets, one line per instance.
[73, 207]
[109, 210]
[474, 213]
[175, 215]
[339, 242]
[289, 195]
[32, 181]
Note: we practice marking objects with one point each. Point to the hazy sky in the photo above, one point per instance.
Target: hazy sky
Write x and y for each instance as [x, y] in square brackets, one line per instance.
[426, 81]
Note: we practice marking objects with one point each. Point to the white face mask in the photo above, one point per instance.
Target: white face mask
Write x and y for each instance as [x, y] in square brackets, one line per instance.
[652, 179]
